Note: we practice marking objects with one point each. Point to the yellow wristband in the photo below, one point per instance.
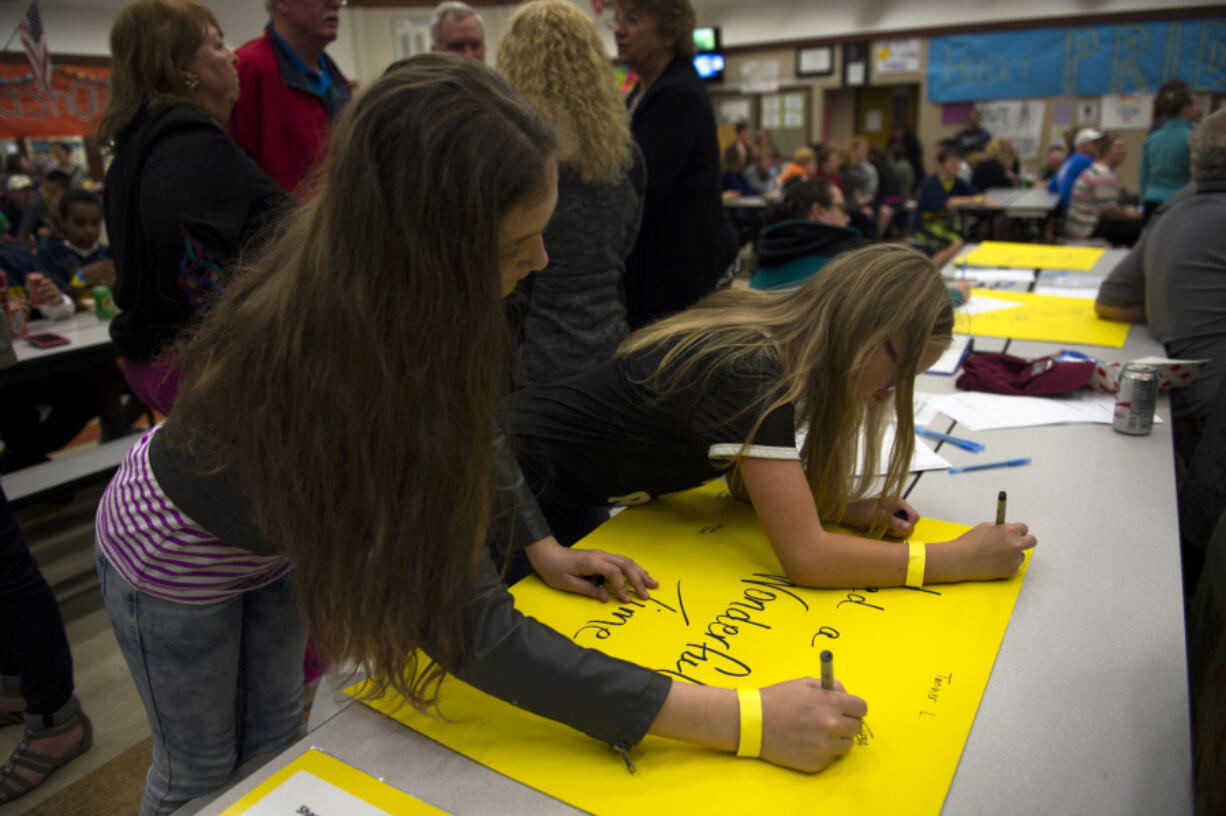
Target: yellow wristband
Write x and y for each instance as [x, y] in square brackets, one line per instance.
[750, 744]
[916, 557]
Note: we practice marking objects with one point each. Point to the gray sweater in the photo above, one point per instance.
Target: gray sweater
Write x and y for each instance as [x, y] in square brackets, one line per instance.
[572, 312]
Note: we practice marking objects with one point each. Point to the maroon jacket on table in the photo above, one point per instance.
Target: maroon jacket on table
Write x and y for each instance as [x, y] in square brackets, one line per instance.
[280, 119]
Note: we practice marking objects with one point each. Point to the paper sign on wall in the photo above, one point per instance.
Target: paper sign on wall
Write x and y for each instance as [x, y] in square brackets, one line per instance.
[897, 56]
[1018, 120]
[1127, 111]
[724, 616]
[316, 783]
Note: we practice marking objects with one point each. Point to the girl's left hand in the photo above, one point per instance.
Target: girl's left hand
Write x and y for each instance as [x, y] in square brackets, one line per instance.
[902, 516]
[572, 570]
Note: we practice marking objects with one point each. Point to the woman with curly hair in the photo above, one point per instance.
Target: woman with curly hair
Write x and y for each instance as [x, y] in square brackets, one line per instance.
[571, 312]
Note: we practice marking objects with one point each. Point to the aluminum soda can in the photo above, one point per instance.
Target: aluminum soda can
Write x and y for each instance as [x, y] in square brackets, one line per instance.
[104, 303]
[18, 319]
[1138, 396]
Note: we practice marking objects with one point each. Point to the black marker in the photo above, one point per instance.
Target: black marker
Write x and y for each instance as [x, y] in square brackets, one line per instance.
[827, 670]
[1000, 507]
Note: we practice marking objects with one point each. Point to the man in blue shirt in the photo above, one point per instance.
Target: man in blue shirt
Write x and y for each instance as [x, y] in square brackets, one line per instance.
[1087, 147]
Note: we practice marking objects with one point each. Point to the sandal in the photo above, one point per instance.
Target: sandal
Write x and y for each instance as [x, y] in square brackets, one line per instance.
[14, 785]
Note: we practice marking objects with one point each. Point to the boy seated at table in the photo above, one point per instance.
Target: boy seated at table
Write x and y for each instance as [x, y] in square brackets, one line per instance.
[939, 195]
[80, 261]
[30, 286]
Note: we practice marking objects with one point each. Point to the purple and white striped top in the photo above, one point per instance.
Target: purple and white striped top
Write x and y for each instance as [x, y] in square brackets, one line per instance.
[160, 551]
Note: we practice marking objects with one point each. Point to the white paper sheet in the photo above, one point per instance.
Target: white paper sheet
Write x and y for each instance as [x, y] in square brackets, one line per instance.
[949, 362]
[986, 274]
[925, 411]
[978, 411]
[304, 789]
[923, 458]
[983, 305]
[1081, 293]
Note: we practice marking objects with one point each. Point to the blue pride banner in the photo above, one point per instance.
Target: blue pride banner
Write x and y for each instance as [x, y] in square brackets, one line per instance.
[1078, 61]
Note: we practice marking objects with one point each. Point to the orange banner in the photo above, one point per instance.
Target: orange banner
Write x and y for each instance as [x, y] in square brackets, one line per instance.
[79, 95]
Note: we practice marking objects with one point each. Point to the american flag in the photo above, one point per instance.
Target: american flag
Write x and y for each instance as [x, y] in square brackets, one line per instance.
[31, 28]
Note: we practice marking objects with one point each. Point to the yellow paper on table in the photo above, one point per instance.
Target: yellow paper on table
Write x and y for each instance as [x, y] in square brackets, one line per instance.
[1049, 318]
[1032, 256]
[723, 616]
[318, 784]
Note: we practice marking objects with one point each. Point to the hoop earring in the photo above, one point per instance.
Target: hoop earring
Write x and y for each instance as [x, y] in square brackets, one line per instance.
[191, 80]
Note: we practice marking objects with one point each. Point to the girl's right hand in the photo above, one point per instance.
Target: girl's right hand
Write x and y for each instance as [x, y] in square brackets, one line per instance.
[805, 727]
[993, 551]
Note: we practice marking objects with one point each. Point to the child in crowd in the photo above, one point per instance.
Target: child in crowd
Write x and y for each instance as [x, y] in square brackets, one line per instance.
[942, 193]
[803, 232]
[80, 260]
[803, 166]
[720, 389]
[224, 534]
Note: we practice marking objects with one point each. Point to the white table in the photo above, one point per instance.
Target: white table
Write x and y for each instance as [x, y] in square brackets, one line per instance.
[1086, 710]
[89, 342]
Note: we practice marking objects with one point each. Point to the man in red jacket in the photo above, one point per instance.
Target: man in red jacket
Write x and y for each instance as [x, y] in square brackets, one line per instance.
[290, 90]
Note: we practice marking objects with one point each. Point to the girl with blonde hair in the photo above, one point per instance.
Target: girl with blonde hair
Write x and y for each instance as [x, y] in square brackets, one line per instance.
[720, 389]
[571, 313]
[355, 494]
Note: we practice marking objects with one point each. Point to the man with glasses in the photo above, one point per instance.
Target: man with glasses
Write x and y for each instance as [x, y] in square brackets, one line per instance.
[290, 90]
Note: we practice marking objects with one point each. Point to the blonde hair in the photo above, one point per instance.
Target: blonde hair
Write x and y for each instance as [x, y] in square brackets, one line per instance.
[803, 155]
[152, 42]
[384, 537]
[553, 58]
[823, 334]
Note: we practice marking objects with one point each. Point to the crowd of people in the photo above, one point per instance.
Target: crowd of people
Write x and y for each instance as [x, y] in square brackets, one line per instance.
[363, 313]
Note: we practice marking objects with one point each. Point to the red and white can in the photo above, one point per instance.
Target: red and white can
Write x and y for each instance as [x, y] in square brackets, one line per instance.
[1138, 396]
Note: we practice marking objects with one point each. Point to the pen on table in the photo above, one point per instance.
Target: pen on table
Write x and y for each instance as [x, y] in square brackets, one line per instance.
[1008, 463]
[965, 444]
[827, 670]
[1000, 507]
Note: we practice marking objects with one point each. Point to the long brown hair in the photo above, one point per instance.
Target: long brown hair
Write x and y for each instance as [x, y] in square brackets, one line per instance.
[823, 333]
[351, 370]
[152, 42]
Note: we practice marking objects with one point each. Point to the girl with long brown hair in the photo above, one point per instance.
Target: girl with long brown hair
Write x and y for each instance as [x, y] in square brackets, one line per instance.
[330, 461]
[720, 389]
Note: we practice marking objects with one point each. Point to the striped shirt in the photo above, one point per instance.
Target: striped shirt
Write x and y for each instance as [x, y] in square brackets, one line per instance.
[1096, 191]
[162, 552]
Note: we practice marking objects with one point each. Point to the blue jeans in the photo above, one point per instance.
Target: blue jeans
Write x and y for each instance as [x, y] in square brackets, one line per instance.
[221, 683]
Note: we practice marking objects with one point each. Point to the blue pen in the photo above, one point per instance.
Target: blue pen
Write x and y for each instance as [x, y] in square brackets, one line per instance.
[1010, 463]
[965, 444]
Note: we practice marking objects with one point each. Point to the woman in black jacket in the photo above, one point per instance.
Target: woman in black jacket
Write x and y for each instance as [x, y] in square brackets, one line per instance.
[686, 241]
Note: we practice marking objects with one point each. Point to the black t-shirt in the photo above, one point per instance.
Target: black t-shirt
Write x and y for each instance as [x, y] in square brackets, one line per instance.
[605, 436]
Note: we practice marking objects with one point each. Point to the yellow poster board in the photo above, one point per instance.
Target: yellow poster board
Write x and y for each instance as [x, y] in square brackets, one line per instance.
[1048, 318]
[723, 616]
[1032, 256]
[316, 783]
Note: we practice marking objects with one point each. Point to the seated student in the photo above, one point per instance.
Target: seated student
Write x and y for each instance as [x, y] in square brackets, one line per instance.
[1175, 277]
[992, 171]
[406, 369]
[803, 166]
[1087, 150]
[803, 232]
[42, 219]
[80, 259]
[762, 174]
[1097, 209]
[732, 181]
[40, 415]
[1056, 154]
[720, 389]
[939, 195]
[974, 137]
